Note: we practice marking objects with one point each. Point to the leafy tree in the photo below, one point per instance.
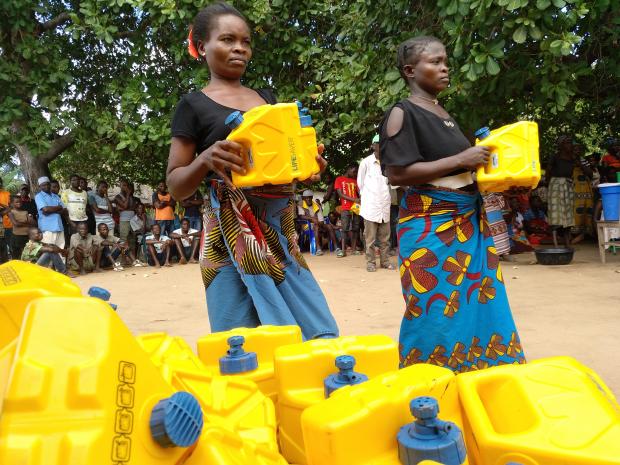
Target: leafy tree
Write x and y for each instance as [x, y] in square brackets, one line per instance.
[91, 86]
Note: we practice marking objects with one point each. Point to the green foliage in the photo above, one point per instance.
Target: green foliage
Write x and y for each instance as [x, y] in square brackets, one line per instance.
[112, 71]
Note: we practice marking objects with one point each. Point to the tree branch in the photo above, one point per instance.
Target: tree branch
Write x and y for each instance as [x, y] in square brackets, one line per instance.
[59, 145]
[54, 22]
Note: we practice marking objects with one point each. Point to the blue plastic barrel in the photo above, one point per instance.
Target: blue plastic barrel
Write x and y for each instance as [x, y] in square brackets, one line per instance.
[610, 194]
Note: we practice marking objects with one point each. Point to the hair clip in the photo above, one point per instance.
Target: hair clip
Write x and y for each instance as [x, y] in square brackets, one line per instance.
[191, 48]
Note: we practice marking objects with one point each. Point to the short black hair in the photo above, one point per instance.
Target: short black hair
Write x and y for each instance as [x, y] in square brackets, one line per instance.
[103, 181]
[54, 181]
[184, 220]
[410, 50]
[206, 19]
[102, 224]
[74, 176]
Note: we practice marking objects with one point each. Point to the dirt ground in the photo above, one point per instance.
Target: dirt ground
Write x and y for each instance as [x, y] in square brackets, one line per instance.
[559, 310]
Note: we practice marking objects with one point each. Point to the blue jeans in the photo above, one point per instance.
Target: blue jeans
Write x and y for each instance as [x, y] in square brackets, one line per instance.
[195, 222]
[166, 226]
[48, 257]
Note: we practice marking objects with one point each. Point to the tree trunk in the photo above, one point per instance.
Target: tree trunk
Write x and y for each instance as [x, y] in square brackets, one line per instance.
[32, 166]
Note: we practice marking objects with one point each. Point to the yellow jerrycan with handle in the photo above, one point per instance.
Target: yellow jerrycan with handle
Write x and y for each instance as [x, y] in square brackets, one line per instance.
[81, 391]
[552, 411]
[514, 157]
[279, 141]
[21, 283]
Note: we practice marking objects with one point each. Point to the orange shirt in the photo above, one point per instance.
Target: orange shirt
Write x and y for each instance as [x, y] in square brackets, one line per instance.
[5, 199]
[166, 213]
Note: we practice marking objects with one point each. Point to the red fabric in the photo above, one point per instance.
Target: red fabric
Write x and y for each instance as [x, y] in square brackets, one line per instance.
[349, 187]
[610, 160]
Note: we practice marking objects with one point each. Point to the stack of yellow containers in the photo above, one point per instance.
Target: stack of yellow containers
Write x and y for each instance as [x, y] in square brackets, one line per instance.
[77, 388]
[301, 370]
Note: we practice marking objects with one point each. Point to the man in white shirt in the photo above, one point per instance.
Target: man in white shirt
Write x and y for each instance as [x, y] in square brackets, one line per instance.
[375, 208]
[186, 240]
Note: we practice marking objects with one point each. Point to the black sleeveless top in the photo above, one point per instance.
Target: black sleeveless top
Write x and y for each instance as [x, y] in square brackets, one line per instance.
[201, 119]
[424, 136]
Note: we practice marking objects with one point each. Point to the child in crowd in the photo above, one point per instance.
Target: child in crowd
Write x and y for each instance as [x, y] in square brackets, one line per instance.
[346, 186]
[516, 231]
[84, 254]
[158, 246]
[42, 254]
[186, 240]
[22, 221]
[334, 220]
[111, 247]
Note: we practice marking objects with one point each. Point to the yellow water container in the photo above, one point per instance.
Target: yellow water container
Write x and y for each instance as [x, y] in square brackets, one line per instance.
[7, 353]
[359, 424]
[22, 282]
[514, 158]
[263, 341]
[553, 411]
[218, 446]
[235, 404]
[81, 391]
[280, 144]
[301, 370]
[171, 354]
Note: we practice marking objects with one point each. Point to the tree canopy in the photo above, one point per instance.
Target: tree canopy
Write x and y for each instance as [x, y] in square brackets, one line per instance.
[91, 86]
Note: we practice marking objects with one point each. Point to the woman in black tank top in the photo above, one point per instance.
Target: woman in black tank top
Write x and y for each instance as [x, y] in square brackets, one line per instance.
[251, 265]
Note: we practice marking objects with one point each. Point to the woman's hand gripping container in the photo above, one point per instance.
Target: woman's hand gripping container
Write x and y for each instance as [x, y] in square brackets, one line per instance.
[306, 372]
[280, 144]
[263, 341]
[361, 424]
[20, 284]
[82, 391]
[552, 411]
[514, 157]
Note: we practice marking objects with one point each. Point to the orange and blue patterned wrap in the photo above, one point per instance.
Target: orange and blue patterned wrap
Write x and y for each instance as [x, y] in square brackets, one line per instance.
[457, 313]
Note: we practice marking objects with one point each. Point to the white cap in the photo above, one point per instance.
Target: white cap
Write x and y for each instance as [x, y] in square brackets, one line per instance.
[43, 180]
[307, 193]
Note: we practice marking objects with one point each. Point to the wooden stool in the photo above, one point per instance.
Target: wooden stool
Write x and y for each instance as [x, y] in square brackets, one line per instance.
[600, 230]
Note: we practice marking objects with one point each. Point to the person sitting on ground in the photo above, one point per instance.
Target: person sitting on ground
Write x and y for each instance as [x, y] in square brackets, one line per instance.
[22, 221]
[111, 247]
[158, 246]
[516, 231]
[535, 223]
[346, 186]
[310, 210]
[84, 254]
[186, 240]
[334, 220]
[35, 251]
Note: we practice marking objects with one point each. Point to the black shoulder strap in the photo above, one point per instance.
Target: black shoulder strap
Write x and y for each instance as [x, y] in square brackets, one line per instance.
[268, 95]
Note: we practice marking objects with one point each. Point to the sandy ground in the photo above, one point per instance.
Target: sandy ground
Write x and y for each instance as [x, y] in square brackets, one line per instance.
[559, 310]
